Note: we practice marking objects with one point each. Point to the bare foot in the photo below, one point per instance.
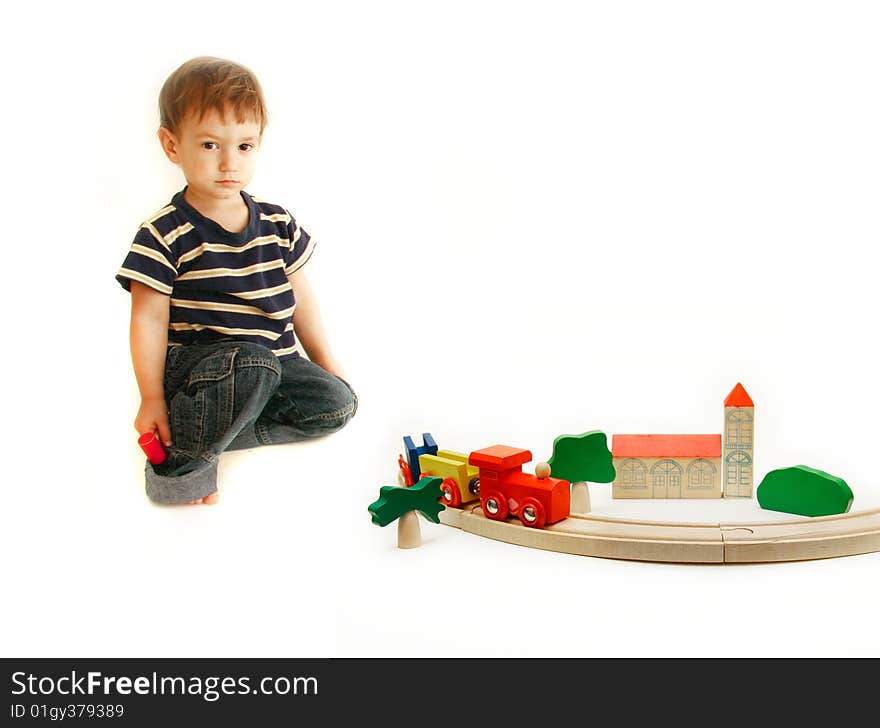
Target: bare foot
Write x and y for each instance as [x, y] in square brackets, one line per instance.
[208, 500]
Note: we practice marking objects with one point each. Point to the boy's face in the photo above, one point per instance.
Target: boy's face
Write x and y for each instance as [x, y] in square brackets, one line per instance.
[217, 154]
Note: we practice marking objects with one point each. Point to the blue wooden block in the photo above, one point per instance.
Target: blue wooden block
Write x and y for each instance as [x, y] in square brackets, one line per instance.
[428, 447]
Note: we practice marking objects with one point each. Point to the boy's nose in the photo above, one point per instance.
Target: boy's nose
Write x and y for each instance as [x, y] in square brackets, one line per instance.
[227, 163]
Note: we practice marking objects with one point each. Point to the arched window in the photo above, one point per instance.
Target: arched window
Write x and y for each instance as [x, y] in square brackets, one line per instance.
[666, 472]
[701, 474]
[739, 428]
[739, 468]
[632, 473]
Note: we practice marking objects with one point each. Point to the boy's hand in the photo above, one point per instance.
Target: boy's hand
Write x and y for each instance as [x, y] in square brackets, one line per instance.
[153, 417]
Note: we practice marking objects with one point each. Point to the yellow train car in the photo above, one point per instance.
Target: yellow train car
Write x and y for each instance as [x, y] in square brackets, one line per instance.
[461, 482]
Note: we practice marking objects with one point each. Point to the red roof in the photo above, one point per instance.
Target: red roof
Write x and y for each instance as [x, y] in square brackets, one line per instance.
[666, 446]
[738, 397]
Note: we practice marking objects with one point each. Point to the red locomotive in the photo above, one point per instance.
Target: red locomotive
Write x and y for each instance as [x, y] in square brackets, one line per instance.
[507, 491]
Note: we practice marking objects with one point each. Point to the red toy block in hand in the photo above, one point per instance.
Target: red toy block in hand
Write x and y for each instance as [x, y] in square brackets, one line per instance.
[152, 447]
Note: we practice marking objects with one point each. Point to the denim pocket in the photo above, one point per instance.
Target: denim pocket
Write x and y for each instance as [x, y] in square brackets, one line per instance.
[213, 367]
[203, 411]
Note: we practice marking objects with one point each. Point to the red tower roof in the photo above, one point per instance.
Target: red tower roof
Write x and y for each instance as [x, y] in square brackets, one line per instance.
[738, 397]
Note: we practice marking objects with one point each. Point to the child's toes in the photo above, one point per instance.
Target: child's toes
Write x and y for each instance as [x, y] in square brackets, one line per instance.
[211, 499]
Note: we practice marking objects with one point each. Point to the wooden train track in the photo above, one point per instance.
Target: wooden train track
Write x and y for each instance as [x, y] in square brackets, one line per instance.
[697, 543]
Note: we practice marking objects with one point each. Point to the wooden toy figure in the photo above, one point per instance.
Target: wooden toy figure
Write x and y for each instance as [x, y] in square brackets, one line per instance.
[739, 443]
[396, 502]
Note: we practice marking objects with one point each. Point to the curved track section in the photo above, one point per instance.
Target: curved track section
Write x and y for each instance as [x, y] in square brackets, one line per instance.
[696, 543]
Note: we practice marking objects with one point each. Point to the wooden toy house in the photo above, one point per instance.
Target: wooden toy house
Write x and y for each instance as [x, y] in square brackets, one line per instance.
[666, 466]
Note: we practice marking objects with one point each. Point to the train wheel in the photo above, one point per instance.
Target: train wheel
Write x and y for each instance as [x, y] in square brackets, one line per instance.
[532, 513]
[451, 493]
[494, 505]
[474, 486]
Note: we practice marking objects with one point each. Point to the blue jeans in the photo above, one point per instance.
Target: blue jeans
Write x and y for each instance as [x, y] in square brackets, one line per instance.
[232, 395]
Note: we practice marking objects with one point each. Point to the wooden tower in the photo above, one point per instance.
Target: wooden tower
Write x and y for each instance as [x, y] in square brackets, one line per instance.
[739, 443]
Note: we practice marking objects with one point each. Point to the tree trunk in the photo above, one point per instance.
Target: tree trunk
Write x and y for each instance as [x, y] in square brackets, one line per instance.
[580, 498]
[409, 536]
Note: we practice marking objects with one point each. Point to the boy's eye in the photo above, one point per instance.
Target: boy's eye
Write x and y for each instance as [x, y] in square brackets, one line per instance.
[245, 147]
[209, 145]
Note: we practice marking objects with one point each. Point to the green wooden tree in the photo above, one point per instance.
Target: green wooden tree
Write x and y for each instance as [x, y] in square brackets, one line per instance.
[581, 459]
[396, 502]
[804, 491]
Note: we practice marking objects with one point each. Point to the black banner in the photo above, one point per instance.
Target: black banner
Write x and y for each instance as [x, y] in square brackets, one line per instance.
[241, 691]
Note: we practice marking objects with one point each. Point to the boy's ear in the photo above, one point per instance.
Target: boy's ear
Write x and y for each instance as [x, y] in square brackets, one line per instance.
[169, 144]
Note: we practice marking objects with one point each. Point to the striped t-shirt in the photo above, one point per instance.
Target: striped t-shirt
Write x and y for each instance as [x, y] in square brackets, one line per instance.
[222, 285]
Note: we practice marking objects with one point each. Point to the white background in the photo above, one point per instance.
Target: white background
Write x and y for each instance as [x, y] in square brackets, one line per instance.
[534, 219]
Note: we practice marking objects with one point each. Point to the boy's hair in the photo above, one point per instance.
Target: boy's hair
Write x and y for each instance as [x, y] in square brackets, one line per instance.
[206, 83]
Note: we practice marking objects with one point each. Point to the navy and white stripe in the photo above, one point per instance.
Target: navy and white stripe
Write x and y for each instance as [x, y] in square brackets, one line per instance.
[222, 284]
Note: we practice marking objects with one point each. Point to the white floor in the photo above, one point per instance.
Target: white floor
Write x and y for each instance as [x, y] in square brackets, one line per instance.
[587, 216]
[289, 564]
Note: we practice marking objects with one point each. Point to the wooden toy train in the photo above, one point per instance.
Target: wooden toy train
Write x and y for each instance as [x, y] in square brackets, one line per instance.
[494, 476]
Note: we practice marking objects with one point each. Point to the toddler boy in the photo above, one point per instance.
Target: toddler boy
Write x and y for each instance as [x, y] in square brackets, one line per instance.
[214, 277]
